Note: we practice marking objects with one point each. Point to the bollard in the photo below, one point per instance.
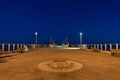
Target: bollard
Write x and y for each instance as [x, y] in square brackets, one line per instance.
[17, 47]
[8, 48]
[13, 47]
[20, 46]
[101, 47]
[116, 46]
[84, 46]
[105, 47]
[110, 46]
[3, 48]
[34, 45]
[97, 46]
[94, 46]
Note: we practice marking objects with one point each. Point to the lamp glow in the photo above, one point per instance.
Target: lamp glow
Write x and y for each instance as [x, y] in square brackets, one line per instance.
[81, 33]
[36, 33]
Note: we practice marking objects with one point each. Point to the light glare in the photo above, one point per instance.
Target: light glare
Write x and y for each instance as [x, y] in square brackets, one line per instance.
[81, 33]
[36, 33]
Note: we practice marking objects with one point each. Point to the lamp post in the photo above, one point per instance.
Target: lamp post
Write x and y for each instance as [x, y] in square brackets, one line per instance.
[81, 40]
[36, 36]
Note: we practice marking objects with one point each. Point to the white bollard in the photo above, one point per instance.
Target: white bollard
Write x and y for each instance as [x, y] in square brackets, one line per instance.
[84, 46]
[13, 47]
[33, 46]
[97, 46]
[17, 46]
[8, 48]
[101, 47]
[105, 47]
[116, 46]
[21, 46]
[110, 46]
[3, 48]
[94, 46]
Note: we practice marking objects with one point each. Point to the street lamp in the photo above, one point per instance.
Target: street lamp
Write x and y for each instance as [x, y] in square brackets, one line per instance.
[81, 40]
[36, 36]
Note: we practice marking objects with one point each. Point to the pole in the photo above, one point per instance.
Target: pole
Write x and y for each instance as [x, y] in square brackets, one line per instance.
[36, 35]
[81, 40]
[36, 40]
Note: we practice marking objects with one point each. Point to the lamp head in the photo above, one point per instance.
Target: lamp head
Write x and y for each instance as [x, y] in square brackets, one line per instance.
[36, 33]
[81, 33]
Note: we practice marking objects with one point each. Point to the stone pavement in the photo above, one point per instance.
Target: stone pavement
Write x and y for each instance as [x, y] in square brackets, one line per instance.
[96, 66]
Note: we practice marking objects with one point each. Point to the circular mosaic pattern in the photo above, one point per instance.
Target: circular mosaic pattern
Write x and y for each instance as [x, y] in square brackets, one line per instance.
[60, 66]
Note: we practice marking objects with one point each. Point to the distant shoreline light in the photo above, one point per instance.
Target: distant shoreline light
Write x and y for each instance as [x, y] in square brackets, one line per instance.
[71, 48]
[61, 47]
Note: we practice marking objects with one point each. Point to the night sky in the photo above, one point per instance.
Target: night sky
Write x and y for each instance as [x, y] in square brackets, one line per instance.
[99, 20]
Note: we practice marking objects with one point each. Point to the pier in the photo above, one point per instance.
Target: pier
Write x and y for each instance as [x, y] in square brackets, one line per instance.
[13, 48]
[26, 66]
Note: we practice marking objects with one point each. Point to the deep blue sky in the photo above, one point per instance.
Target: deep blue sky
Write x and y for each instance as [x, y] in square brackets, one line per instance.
[99, 20]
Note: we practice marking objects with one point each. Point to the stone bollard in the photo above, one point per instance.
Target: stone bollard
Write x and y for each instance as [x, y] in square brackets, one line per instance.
[21, 46]
[101, 47]
[17, 47]
[94, 46]
[110, 46]
[105, 47]
[13, 47]
[3, 48]
[116, 46]
[34, 46]
[8, 48]
[97, 46]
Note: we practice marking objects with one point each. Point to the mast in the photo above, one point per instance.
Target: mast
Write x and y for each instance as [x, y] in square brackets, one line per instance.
[50, 40]
[66, 40]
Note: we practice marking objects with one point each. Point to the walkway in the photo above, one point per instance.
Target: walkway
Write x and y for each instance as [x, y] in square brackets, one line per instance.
[96, 66]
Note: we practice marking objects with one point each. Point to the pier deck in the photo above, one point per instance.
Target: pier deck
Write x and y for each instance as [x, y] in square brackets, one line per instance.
[96, 66]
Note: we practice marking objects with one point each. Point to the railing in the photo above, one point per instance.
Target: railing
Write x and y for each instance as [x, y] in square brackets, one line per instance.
[12, 48]
[104, 47]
